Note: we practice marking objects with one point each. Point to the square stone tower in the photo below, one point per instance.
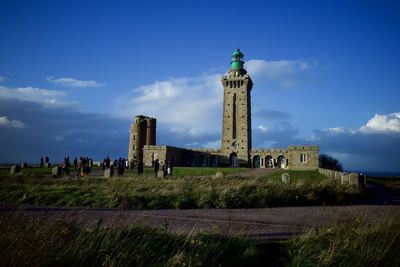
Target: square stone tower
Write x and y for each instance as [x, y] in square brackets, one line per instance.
[236, 119]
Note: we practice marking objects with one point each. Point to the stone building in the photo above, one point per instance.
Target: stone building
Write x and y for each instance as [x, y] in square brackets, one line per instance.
[143, 132]
[236, 147]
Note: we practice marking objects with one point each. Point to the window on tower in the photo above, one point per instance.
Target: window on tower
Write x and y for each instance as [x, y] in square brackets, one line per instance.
[234, 117]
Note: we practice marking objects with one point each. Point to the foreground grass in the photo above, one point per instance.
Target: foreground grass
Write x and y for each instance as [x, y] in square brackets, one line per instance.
[35, 242]
[349, 244]
[307, 188]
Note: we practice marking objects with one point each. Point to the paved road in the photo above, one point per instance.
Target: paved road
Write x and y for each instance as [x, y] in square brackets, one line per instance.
[267, 223]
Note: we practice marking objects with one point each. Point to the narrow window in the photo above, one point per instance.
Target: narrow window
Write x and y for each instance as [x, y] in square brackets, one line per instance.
[234, 117]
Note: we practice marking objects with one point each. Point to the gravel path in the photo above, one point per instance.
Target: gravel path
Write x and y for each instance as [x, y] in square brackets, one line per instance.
[269, 223]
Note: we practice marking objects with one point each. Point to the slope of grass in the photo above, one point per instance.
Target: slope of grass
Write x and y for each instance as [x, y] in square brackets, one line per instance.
[147, 192]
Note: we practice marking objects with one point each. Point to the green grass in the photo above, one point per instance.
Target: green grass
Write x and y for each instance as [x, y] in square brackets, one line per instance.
[36, 242]
[147, 192]
[349, 244]
[190, 171]
[29, 170]
[148, 171]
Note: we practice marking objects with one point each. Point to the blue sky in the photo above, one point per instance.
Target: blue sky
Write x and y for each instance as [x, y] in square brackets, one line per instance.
[73, 74]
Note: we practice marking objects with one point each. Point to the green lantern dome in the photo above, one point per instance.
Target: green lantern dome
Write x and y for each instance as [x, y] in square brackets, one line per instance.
[237, 62]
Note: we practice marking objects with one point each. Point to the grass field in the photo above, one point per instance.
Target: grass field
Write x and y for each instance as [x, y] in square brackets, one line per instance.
[148, 171]
[183, 191]
[36, 242]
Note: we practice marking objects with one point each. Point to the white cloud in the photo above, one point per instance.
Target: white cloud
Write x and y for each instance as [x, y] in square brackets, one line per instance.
[383, 123]
[29, 93]
[262, 128]
[337, 130]
[287, 73]
[5, 122]
[48, 98]
[191, 106]
[72, 82]
[379, 124]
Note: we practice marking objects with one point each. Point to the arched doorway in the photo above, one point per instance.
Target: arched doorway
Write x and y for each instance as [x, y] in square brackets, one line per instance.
[281, 162]
[269, 162]
[233, 159]
[256, 161]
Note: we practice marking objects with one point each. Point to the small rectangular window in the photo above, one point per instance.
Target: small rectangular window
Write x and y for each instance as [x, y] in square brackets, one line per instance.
[303, 158]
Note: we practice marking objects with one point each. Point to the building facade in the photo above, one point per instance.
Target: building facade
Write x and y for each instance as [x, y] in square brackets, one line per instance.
[236, 146]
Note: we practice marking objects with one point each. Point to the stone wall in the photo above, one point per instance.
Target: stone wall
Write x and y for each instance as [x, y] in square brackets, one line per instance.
[181, 156]
[344, 177]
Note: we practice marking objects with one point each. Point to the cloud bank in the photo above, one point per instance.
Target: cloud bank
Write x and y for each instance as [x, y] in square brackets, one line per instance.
[72, 82]
[45, 97]
[58, 132]
[183, 106]
[5, 122]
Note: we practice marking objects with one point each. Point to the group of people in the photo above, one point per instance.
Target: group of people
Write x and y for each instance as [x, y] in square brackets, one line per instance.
[83, 166]
[166, 168]
[120, 165]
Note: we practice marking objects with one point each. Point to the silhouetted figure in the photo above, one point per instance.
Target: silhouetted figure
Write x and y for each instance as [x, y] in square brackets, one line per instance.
[121, 166]
[75, 164]
[164, 168]
[41, 162]
[66, 166]
[108, 162]
[139, 167]
[156, 167]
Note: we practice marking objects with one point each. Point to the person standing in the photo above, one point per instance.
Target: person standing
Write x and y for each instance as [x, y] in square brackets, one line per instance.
[139, 167]
[156, 167]
[169, 169]
[75, 164]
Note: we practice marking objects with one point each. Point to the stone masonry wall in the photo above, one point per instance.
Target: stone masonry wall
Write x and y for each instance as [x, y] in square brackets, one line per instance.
[344, 177]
